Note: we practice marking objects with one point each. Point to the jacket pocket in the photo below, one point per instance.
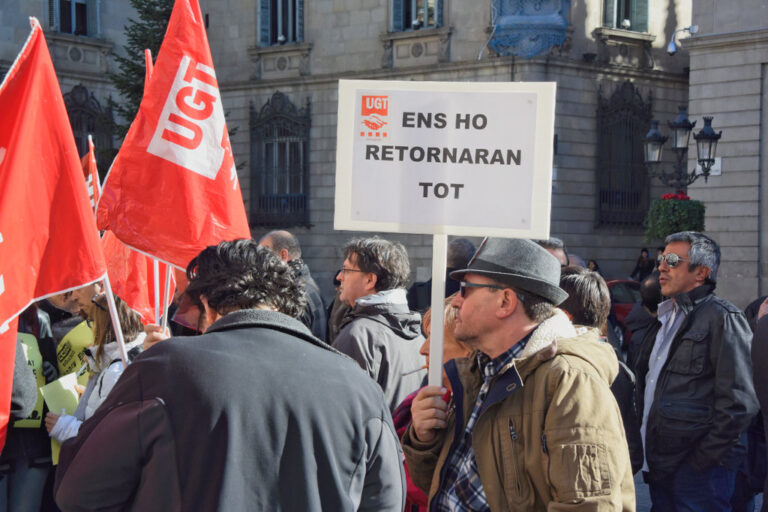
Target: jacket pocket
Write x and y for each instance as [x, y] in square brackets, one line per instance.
[577, 470]
[681, 426]
[691, 355]
[516, 484]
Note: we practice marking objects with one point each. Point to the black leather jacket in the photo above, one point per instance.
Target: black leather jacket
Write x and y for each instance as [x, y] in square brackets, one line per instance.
[704, 399]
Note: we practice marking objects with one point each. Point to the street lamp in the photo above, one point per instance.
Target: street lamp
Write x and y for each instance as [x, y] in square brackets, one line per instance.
[706, 146]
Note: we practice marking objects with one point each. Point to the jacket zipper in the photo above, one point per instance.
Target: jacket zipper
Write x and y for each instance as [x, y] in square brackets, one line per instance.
[545, 450]
[513, 436]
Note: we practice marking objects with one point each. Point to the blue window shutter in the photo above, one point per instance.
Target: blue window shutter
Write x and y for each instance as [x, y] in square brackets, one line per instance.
[397, 15]
[439, 14]
[264, 23]
[640, 15]
[299, 21]
[610, 13]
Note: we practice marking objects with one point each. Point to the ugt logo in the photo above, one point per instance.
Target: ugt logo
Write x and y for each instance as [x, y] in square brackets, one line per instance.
[375, 116]
[191, 131]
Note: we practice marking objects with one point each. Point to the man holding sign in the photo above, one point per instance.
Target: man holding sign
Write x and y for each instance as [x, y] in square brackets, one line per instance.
[523, 430]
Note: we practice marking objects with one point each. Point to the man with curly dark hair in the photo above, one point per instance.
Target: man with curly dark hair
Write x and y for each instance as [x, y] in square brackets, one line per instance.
[254, 414]
[380, 332]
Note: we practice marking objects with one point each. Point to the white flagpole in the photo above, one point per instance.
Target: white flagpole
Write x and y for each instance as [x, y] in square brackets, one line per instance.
[115, 321]
[437, 324]
[156, 270]
[166, 298]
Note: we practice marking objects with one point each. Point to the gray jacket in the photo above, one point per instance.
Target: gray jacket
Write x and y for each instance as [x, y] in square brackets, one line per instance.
[704, 399]
[385, 340]
[255, 414]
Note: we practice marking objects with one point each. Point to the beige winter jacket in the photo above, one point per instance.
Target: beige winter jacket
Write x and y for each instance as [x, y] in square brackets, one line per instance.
[555, 443]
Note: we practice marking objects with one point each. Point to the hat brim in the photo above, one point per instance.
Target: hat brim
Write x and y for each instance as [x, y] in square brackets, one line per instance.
[535, 286]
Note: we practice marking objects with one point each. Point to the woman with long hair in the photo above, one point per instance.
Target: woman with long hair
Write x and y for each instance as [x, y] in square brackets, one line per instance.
[104, 361]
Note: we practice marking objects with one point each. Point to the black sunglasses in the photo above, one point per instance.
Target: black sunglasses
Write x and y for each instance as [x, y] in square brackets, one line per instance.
[463, 285]
[671, 259]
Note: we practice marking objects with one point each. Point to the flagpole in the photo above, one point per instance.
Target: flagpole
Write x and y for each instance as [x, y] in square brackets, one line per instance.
[166, 298]
[156, 270]
[115, 320]
[439, 254]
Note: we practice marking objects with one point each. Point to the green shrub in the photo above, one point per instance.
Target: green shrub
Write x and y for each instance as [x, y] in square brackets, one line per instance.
[671, 214]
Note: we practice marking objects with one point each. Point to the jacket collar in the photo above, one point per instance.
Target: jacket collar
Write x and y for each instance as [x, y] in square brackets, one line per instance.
[266, 319]
[687, 300]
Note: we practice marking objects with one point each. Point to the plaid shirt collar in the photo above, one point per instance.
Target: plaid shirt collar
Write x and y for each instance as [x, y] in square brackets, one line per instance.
[460, 487]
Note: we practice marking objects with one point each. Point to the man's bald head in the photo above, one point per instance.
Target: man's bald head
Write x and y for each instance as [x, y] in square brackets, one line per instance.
[282, 243]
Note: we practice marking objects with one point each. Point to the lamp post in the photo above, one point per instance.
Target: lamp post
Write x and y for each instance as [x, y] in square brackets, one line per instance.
[706, 146]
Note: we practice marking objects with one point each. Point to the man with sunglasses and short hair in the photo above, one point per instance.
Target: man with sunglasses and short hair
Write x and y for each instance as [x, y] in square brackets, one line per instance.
[532, 425]
[694, 382]
[380, 332]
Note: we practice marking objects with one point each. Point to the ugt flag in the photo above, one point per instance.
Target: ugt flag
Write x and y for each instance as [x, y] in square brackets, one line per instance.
[132, 278]
[173, 188]
[48, 237]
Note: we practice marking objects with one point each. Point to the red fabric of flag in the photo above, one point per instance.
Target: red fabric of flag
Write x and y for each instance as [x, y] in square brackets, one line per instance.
[173, 188]
[132, 277]
[7, 360]
[48, 237]
[91, 173]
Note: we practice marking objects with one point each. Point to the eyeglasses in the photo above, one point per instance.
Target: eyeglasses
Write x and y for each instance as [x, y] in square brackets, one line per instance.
[342, 270]
[94, 300]
[671, 259]
[463, 285]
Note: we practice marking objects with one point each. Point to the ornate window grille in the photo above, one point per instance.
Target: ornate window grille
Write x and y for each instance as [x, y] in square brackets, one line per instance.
[622, 181]
[279, 163]
[88, 118]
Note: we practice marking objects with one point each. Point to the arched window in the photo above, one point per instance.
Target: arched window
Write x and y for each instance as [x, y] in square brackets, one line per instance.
[88, 118]
[622, 181]
[279, 163]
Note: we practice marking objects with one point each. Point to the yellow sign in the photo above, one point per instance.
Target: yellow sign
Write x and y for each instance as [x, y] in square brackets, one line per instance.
[60, 395]
[70, 353]
[35, 362]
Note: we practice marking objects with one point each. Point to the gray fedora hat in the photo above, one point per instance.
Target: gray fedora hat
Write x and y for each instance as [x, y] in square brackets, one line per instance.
[519, 263]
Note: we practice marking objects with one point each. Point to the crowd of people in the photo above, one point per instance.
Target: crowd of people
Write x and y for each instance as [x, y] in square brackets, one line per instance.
[262, 404]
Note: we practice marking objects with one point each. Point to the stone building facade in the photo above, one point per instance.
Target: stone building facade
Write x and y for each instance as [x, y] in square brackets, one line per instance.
[279, 61]
[729, 81]
[611, 80]
[81, 35]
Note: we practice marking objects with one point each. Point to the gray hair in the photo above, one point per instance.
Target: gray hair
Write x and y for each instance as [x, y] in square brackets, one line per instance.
[704, 251]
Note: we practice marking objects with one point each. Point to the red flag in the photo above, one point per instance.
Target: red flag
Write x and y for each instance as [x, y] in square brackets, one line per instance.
[7, 359]
[173, 188]
[132, 277]
[91, 173]
[48, 237]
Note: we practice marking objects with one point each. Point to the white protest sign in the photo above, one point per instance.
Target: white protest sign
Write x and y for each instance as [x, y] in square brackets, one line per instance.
[459, 158]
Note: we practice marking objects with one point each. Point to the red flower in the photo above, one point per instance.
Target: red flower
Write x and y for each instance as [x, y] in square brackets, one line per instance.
[680, 196]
